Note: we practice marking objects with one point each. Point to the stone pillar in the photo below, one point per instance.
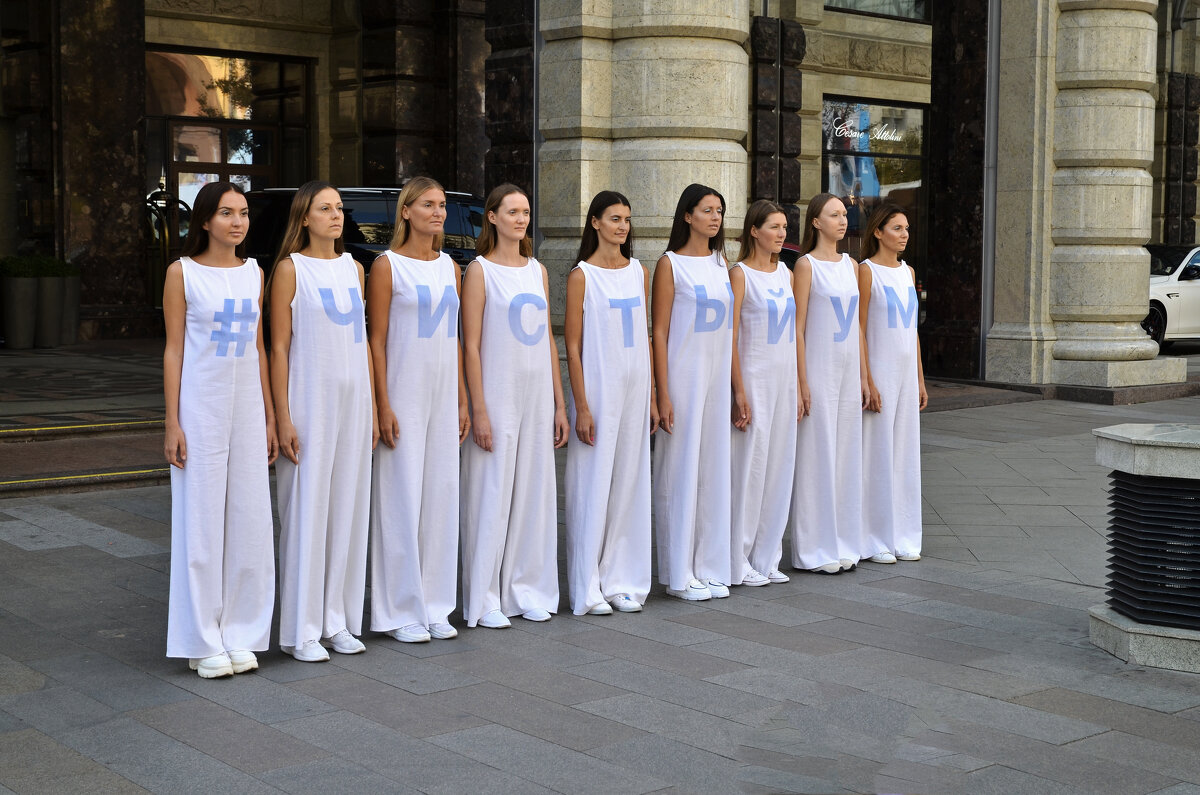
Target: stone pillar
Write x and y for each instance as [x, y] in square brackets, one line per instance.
[643, 97]
[102, 85]
[509, 86]
[1101, 211]
[1018, 349]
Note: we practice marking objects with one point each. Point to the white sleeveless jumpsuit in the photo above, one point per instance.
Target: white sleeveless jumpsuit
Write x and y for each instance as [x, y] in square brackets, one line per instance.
[325, 500]
[892, 438]
[222, 563]
[764, 456]
[827, 493]
[414, 494]
[509, 515]
[691, 465]
[608, 485]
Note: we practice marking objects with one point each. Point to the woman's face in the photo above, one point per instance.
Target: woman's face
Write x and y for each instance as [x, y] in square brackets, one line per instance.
[229, 224]
[324, 217]
[511, 217]
[426, 215]
[706, 217]
[893, 235]
[769, 237]
[613, 225]
[831, 222]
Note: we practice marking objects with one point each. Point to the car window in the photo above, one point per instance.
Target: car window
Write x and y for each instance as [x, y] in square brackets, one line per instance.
[455, 228]
[1160, 266]
[368, 221]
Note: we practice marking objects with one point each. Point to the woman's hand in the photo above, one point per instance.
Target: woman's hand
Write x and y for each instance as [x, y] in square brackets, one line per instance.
[585, 426]
[805, 407]
[874, 399]
[654, 418]
[481, 430]
[666, 414]
[272, 444]
[464, 422]
[922, 396]
[741, 411]
[289, 442]
[389, 426]
[562, 428]
[374, 430]
[175, 446]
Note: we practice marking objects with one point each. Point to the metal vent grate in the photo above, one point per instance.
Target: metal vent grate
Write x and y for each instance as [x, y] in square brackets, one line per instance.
[1154, 549]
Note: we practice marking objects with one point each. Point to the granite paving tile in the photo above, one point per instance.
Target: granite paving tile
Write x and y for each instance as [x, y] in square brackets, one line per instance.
[1127, 718]
[415, 716]
[707, 697]
[658, 757]
[156, 761]
[550, 765]
[56, 709]
[562, 687]
[685, 661]
[578, 728]
[782, 686]
[254, 696]
[223, 734]
[31, 762]
[748, 629]
[332, 775]
[868, 614]
[403, 671]
[898, 639]
[1159, 758]
[1001, 780]
[706, 732]
[110, 682]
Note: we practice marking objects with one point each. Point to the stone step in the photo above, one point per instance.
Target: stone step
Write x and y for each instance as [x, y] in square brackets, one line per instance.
[81, 457]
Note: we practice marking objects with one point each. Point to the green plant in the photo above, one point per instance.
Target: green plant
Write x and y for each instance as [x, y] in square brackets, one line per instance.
[34, 265]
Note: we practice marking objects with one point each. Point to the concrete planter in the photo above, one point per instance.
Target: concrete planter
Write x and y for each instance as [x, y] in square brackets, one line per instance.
[20, 311]
[49, 312]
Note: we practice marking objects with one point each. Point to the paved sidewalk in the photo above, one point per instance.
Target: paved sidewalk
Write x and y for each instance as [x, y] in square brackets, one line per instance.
[967, 672]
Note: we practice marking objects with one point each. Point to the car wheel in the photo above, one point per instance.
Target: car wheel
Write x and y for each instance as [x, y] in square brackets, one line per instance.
[1155, 324]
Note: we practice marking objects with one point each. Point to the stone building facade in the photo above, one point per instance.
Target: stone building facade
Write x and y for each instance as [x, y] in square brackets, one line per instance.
[1036, 143]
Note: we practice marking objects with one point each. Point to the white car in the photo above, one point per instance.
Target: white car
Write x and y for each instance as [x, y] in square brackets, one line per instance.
[1174, 294]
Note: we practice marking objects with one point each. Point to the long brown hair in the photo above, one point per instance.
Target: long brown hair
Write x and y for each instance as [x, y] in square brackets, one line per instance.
[809, 241]
[295, 236]
[883, 213]
[208, 201]
[413, 190]
[488, 237]
[680, 230]
[756, 216]
[591, 238]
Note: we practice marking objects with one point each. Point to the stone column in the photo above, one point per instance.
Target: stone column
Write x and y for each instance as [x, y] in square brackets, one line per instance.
[644, 97]
[1101, 210]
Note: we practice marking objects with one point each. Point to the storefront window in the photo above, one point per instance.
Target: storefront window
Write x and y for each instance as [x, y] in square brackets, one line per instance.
[906, 9]
[875, 153]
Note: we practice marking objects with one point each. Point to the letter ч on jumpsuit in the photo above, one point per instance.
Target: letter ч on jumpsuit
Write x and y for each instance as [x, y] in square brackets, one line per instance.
[353, 317]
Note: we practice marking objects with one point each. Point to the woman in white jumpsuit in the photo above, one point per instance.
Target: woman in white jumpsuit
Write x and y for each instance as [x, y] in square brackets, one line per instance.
[892, 428]
[827, 493]
[608, 463]
[412, 305]
[220, 439]
[765, 401]
[693, 349]
[509, 521]
[321, 378]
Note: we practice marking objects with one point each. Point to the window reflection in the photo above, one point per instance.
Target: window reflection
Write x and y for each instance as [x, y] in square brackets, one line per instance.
[908, 9]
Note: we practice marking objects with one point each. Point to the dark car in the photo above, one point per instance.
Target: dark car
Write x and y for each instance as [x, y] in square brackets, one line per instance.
[370, 215]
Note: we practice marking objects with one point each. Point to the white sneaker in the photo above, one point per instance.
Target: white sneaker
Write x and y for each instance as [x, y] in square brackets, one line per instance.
[718, 589]
[755, 579]
[212, 667]
[536, 614]
[345, 643]
[626, 604]
[847, 564]
[695, 591]
[413, 633]
[775, 575]
[828, 568]
[308, 651]
[908, 556]
[602, 609]
[242, 660]
[883, 557]
[495, 620]
[442, 631]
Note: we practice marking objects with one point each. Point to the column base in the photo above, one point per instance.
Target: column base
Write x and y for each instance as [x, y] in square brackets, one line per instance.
[1019, 353]
[1119, 374]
